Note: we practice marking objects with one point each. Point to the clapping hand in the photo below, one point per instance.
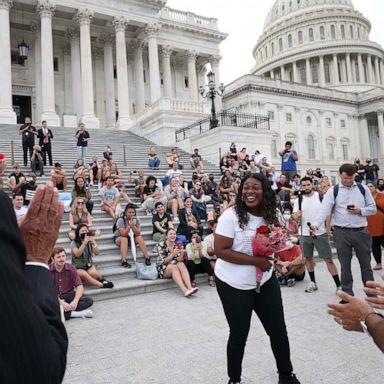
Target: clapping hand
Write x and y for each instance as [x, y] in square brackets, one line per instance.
[40, 226]
[375, 288]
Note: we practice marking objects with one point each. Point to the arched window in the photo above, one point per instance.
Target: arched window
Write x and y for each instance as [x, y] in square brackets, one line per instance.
[322, 33]
[311, 36]
[309, 120]
[331, 142]
[333, 32]
[311, 147]
[351, 31]
[315, 73]
[300, 37]
[326, 73]
[342, 30]
[273, 48]
[289, 41]
[281, 44]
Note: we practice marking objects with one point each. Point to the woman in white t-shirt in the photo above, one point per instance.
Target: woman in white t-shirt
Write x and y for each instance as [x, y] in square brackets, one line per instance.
[236, 277]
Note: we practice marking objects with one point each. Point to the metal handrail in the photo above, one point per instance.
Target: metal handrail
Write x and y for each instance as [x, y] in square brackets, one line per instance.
[225, 118]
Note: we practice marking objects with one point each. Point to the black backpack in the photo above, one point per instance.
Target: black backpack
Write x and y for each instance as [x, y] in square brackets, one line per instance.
[336, 190]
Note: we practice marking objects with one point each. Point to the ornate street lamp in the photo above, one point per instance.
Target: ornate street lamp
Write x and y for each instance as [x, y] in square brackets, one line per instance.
[210, 92]
[23, 47]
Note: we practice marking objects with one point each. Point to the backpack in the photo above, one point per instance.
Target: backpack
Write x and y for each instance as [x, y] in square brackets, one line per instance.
[336, 190]
[114, 227]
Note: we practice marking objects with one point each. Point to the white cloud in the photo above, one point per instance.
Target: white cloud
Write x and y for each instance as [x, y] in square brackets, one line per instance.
[243, 20]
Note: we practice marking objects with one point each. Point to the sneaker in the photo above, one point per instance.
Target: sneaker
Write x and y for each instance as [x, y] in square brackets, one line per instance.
[149, 213]
[91, 183]
[291, 282]
[289, 380]
[107, 284]
[282, 281]
[125, 264]
[147, 261]
[86, 313]
[312, 287]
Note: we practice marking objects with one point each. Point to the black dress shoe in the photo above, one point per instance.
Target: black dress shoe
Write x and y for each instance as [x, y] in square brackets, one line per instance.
[148, 261]
[289, 380]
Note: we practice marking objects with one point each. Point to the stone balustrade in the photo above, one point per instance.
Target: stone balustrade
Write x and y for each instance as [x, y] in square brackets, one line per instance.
[188, 18]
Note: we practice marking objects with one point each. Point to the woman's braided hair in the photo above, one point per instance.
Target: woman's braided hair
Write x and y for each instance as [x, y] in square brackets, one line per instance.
[268, 203]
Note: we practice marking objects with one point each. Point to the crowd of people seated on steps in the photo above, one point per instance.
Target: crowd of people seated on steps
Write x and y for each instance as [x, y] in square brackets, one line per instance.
[184, 211]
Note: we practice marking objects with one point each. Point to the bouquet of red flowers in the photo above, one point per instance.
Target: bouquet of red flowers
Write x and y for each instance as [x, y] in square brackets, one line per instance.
[268, 240]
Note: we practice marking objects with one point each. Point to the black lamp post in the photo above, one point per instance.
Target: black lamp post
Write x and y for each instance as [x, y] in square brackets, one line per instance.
[210, 92]
[23, 47]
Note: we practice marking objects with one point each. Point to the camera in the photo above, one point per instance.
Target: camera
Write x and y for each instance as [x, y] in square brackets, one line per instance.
[91, 232]
[299, 193]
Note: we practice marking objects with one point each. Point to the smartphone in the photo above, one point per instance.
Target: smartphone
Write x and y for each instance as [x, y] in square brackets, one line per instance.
[350, 206]
[179, 245]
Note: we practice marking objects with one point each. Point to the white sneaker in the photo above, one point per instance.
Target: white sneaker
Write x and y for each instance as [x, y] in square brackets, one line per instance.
[91, 183]
[312, 287]
[86, 313]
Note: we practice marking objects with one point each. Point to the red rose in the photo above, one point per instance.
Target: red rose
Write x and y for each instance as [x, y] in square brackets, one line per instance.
[263, 229]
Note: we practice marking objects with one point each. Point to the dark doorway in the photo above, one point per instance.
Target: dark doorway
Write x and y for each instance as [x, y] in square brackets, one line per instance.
[22, 107]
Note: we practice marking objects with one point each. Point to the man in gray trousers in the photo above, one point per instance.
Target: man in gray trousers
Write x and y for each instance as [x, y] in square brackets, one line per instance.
[349, 203]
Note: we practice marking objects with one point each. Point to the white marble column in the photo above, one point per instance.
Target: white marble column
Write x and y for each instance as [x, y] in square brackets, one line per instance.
[308, 71]
[37, 51]
[166, 52]
[48, 110]
[191, 56]
[294, 72]
[344, 71]
[84, 17]
[369, 69]
[124, 120]
[335, 70]
[382, 71]
[74, 37]
[138, 46]
[109, 82]
[364, 137]
[68, 106]
[7, 115]
[380, 123]
[215, 64]
[282, 73]
[152, 31]
[361, 68]
[349, 68]
[321, 71]
[99, 85]
[377, 71]
[272, 74]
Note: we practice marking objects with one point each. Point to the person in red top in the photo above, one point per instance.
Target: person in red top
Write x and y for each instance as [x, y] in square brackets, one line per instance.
[69, 287]
[376, 225]
[290, 265]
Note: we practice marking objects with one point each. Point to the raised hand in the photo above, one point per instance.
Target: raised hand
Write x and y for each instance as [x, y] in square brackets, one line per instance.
[40, 226]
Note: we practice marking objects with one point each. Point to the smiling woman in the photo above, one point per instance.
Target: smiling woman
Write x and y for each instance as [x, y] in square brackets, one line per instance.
[236, 277]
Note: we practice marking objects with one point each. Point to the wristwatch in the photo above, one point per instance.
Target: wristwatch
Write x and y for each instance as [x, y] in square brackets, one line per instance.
[363, 322]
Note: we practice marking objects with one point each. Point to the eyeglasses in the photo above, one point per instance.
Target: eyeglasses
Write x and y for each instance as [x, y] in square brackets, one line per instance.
[80, 203]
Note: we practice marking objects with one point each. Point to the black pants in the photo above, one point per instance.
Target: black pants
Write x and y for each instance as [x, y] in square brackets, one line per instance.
[37, 165]
[27, 145]
[89, 205]
[238, 306]
[203, 267]
[84, 303]
[377, 243]
[47, 149]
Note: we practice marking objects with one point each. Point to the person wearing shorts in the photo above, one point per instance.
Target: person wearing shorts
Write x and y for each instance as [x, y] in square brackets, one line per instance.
[305, 210]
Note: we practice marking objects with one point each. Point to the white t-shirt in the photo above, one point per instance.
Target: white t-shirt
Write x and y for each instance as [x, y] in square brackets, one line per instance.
[20, 212]
[310, 207]
[236, 275]
[209, 240]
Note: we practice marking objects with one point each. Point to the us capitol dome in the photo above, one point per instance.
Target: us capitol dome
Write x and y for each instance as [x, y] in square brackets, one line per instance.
[319, 42]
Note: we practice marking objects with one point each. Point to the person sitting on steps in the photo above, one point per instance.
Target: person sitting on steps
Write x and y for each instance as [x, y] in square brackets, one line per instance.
[58, 177]
[83, 248]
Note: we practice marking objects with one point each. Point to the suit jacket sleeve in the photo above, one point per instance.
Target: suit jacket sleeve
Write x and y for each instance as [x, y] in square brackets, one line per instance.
[40, 136]
[33, 341]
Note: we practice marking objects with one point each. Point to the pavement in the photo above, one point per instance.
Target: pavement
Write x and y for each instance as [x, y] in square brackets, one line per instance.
[162, 337]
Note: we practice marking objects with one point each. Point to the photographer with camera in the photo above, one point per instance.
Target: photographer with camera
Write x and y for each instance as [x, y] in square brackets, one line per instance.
[37, 160]
[198, 259]
[83, 248]
[28, 132]
[288, 160]
[305, 210]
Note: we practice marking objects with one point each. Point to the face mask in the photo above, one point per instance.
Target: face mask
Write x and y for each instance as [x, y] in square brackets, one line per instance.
[287, 216]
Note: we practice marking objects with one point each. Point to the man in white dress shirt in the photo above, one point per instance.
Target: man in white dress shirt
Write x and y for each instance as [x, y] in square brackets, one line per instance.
[350, 204]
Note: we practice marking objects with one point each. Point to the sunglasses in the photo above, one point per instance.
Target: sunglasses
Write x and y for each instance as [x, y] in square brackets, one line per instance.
[80, 202]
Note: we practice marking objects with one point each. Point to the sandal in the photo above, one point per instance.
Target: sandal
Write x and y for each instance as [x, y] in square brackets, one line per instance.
[211, 281]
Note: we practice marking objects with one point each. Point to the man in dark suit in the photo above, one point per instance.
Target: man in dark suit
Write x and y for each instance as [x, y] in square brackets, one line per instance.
[33, 340]
[45, 135]
[28, 132]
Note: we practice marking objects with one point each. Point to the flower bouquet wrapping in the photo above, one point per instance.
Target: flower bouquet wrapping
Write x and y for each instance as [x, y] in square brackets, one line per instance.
[268, 240]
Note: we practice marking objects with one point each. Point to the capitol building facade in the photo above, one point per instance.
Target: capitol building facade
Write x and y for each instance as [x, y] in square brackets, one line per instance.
[138, 65]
